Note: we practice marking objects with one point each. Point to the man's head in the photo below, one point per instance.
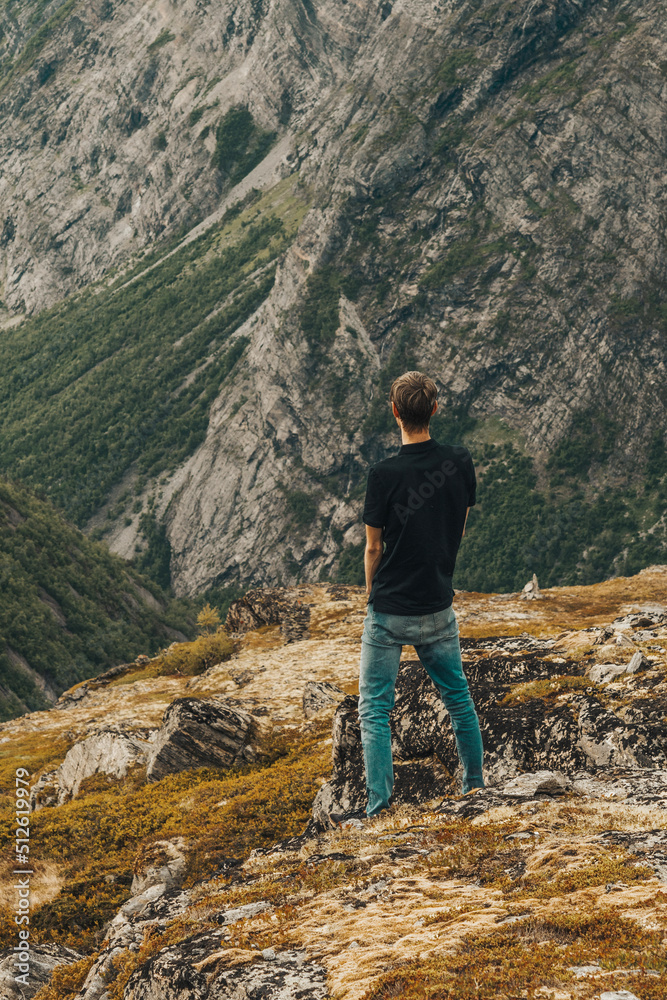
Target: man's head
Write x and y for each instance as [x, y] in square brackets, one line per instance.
[414, 401]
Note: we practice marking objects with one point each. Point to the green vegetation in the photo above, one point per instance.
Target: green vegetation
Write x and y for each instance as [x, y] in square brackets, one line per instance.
[165, 36]
[95, 838]
[69, 609]
[240, 144]
[564, 535]
[124, 376]
[302, 507]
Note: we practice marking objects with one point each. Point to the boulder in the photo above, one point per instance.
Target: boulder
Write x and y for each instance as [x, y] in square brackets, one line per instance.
[572, 732]
[421, 742]
[44, 958]
[603, 673]
[197, 733]
[161, 863]
[256, 608]
[194, 970]
[318, 695]
[108, 751]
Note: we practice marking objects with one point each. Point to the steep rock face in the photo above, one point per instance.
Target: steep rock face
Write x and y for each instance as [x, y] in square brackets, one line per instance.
[486, 196]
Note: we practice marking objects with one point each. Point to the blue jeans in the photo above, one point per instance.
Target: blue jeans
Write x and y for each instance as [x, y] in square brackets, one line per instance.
[436, 639]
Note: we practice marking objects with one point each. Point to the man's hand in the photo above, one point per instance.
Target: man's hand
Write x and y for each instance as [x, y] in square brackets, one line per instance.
[372, 555]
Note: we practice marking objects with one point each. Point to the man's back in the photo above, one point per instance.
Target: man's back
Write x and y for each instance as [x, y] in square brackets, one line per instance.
[419, 498]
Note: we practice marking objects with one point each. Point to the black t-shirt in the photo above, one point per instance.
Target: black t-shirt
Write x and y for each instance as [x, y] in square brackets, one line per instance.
[419, 498]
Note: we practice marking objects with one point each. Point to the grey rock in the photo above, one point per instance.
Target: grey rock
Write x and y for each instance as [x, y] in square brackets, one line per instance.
[602, 673]
[197, 733]
[582, 971]
[531, 591]
[295, 623]
[171, 975]
[318, 695]
[243, 912]
[419, 739]
[256, 608]
[110, 751]
[44, 958]
[618, 995]
[527, 786]
[638, 662]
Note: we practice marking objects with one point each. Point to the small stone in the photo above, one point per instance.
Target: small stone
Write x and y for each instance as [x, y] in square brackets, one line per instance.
[353, 944]
[527, 786]
[269, 954]
[581, 971]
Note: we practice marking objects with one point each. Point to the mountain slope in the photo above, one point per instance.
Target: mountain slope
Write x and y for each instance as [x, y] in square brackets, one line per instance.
[69, 609]
[472, 188]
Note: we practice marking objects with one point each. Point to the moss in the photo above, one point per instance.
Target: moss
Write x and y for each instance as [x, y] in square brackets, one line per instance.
[240, 144]
[163, 38]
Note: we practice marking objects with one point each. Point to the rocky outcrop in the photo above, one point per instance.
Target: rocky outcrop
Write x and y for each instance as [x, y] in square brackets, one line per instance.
[318, 695]
[44, 958]
[552, 737]
[197, 733]
[296, 623]
[420, 744]
[109, 751]
[256, 608]
[180, 973]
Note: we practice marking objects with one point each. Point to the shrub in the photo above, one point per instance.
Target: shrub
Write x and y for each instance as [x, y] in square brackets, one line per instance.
[192, 658]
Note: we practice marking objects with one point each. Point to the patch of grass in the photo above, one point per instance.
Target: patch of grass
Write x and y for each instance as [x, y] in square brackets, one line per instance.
[66, 980]
[191, 658]
[302, 507]
[448, 72]
[534, 955]
[600, 872]
[551, 687]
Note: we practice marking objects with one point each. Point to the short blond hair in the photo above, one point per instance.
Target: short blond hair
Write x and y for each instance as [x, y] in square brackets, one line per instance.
[414, 395]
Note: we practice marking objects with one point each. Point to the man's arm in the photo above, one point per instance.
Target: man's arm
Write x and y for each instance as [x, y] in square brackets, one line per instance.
[373, 554]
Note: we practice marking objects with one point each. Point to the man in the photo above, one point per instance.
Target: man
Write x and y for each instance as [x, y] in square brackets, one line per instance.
[415, 514]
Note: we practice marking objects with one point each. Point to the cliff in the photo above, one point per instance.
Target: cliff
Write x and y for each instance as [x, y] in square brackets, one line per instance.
[471, 188]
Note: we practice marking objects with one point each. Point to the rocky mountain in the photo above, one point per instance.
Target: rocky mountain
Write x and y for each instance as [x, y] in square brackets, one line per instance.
[186, 826]
[226, 226]
[69, 609]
